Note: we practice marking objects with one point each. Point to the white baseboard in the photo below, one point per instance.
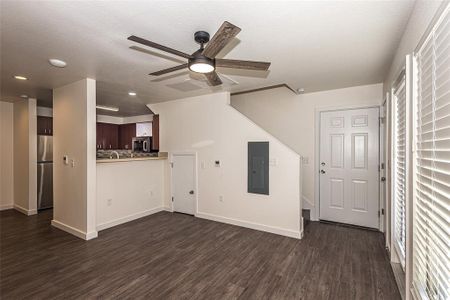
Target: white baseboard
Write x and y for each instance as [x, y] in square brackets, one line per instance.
[246, 224]
[6, 206]
[28, 212]
[74, 231]
[129, 218]
[167, 208]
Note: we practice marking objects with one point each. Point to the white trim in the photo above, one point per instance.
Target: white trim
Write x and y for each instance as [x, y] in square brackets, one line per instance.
[409, 169]
[251, 225]
[382, 161]
[74, 231]
[129, 218]
[28, 212]
[308, 204]
[317, 112]
[394, 256]
[387, 158]
[6, 206]
[184, 153]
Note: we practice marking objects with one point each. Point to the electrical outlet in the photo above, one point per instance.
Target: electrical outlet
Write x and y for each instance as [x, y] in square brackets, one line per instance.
[109, 202]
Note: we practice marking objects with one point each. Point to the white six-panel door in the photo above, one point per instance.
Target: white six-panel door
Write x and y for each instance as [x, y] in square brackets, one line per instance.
[349, 157]
[183, 183]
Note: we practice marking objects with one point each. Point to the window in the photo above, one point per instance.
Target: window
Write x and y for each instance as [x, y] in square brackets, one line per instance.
[431, 237]
[399, 189]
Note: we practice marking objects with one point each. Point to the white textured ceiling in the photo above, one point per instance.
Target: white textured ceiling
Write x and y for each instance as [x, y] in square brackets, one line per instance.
[313, 45]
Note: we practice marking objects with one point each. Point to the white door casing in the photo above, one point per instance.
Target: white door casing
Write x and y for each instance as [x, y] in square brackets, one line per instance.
[349, 161]
[184, 183]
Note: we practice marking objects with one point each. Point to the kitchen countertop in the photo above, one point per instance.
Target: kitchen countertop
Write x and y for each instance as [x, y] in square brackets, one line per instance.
[113, 160]
[160, 156]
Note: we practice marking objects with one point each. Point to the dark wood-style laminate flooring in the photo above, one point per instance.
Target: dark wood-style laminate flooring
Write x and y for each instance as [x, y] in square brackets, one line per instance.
[175, 256]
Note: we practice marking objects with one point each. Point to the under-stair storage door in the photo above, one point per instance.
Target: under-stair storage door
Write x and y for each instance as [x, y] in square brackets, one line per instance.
[349, 155]
[431, 229]
[183, 183]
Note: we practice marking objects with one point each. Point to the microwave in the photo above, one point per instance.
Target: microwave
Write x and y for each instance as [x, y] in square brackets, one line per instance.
[142, 144]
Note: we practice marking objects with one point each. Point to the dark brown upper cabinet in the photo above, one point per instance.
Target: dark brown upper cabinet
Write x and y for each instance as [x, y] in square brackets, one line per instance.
[44, 125]
[155, 133]
[107, 136]
[126, 134]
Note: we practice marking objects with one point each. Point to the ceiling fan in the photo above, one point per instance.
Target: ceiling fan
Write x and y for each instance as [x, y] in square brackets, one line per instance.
[204, 59]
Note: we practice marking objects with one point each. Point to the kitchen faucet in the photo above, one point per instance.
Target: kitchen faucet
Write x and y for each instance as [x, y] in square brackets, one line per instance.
[114, 152]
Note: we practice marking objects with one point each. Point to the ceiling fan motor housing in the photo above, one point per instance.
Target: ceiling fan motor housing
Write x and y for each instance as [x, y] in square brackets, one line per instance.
[201, 37]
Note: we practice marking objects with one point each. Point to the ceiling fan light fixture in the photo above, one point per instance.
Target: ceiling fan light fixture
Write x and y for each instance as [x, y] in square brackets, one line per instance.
[200, 63]
[201, 67]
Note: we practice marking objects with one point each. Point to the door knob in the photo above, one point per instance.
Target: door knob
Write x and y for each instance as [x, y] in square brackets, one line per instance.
[322, 171]
[191, 192]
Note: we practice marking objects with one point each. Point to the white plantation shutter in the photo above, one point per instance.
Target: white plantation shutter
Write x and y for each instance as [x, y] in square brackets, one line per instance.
[431, 237]
[400, 168]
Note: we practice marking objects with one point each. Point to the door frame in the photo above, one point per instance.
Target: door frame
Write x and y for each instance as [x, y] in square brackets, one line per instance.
[194, 155]
[317, 129]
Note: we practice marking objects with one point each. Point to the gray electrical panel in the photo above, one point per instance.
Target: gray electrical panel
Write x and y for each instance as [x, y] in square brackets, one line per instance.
[258, 168]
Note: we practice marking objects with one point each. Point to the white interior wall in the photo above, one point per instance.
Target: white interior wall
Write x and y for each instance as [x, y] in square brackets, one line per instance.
[138, 191]
[209, 126]
[25, 156]
[420, 19]
[74, 184]
[291, 118]
[6, 155]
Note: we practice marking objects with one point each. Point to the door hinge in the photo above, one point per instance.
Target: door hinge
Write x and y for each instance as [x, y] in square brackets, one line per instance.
[171, 164]
[172, 199]
[382, 211]
[378, 214]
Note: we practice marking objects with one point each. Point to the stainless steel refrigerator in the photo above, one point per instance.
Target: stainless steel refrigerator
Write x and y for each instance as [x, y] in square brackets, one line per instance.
[44, 171]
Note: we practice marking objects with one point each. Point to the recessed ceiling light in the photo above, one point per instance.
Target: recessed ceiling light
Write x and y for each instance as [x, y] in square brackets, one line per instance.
[132, 93]
[20, 77]
[23, 96]
[57, 63]
[110, 108]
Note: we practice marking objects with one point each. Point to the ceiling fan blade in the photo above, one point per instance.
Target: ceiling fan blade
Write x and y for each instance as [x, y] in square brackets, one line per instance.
[222, 37]
[168, 70]
[157, 46]
[213, 78]
[242, 64]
